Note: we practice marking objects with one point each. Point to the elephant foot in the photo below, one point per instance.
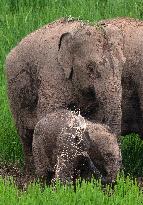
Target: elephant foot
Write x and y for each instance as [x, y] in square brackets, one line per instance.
[29, 168]
[108, 181]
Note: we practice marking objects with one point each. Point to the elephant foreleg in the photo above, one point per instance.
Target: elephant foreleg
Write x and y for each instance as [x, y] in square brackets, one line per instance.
[64, 170]
[26, 139]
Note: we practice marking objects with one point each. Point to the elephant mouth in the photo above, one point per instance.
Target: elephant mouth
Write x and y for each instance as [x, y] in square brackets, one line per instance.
[89, 93]
[88, 104]
[89, 111]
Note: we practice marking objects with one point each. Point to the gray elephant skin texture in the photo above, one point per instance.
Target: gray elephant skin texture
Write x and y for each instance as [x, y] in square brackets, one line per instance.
[66, 147]
[75, 65]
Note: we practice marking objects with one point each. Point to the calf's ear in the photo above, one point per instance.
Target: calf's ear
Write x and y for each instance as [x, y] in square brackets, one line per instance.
[65, 54]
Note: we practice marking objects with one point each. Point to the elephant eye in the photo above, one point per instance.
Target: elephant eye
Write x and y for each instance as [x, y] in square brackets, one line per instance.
[92, 69]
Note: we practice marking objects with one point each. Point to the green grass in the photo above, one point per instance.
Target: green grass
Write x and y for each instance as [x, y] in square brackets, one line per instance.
[126, 192]
[132, 153]
[17, 19]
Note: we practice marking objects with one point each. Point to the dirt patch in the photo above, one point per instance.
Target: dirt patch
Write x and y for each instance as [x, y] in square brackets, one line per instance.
[21, 179]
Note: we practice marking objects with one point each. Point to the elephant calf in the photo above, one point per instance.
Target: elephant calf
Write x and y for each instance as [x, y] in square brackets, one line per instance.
[66, 146]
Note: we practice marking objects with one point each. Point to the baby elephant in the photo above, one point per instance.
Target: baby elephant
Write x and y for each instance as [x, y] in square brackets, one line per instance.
[66, 146]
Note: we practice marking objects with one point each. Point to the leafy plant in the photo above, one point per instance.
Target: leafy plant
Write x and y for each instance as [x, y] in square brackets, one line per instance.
[132, 154]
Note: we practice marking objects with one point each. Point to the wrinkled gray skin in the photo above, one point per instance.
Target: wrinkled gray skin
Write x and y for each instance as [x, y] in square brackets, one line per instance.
[70, 64]
[131, 74]
[66, 146]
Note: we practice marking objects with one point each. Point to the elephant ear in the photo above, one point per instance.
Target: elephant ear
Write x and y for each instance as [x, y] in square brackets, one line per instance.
[115, 44]
[65, 55]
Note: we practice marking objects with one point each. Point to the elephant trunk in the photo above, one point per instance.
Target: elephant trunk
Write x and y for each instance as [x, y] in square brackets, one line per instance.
[109, 95]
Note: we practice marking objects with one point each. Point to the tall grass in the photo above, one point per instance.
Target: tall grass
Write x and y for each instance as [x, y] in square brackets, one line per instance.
[126, 192]
[20, 17]
[132, 153]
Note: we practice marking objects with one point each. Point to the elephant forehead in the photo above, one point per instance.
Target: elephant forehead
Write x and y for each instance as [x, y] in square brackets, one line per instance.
[88, 41]
[77, 122]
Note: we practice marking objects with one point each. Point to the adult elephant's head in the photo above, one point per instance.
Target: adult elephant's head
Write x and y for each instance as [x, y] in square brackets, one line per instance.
[92, 58]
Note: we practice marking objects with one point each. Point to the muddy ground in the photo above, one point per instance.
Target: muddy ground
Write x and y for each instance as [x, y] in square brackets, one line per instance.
[21, 179]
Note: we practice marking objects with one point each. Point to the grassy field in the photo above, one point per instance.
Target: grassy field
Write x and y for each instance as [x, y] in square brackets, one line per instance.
[125, 193]
[17, 19]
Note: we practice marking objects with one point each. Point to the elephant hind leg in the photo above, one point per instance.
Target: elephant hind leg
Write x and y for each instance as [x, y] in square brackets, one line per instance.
[140, 114]
[130, 106]
[131, 116]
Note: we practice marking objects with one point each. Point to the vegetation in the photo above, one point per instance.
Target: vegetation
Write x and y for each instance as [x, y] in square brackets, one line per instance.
[17, 19]
[132, 154]
[126, 192]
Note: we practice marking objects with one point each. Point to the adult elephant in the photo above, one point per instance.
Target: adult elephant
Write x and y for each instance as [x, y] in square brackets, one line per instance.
[92, 58]
[71, 65]
[107, 61]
